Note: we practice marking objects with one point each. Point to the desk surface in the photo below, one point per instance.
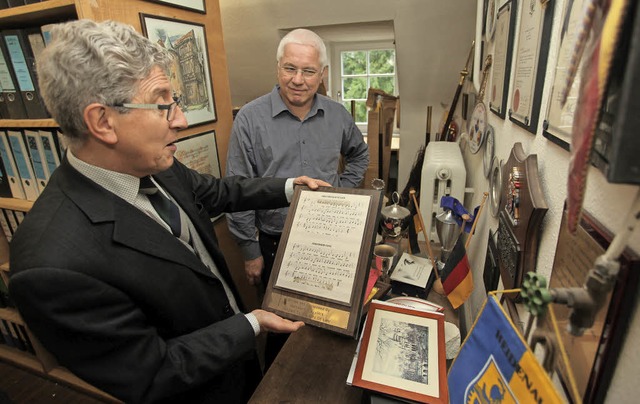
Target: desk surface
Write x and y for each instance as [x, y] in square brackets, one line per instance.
[313, 365]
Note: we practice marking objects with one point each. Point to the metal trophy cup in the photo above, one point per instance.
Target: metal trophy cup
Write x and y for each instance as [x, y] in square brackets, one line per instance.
[395, 221]
[448, 231]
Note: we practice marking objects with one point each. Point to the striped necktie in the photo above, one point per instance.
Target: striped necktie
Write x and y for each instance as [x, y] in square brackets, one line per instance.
[167, 209]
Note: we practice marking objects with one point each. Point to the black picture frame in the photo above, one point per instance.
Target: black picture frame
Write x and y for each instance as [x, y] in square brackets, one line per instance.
[191, 71]
[535, 79]
[502, 57]
[198, 6]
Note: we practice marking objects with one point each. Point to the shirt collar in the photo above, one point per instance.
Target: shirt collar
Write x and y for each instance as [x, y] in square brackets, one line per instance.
[278, 106]
[123, 185]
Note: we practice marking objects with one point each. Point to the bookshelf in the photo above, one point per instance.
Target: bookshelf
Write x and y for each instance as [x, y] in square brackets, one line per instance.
[127, 11]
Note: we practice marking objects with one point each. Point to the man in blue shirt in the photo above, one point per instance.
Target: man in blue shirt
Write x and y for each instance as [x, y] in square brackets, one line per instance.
[291, 131]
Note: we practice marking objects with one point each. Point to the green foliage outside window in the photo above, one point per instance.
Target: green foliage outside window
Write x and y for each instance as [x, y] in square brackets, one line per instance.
[362, 70]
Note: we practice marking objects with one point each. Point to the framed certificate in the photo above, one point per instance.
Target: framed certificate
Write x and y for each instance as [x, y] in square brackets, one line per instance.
[532, 50]
[505, 28]
[559, 122]
[323, 260]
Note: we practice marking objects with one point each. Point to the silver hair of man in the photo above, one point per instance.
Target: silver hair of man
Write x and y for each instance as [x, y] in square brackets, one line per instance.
[303, 36]
[89, 62]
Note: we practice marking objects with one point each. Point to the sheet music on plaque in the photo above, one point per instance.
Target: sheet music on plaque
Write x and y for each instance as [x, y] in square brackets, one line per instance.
[324, 257]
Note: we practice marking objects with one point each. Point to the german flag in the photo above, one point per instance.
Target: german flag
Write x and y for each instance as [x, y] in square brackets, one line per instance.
[457, 281]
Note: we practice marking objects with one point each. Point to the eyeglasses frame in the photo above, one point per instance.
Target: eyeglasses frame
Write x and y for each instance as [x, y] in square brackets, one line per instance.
[170, 108]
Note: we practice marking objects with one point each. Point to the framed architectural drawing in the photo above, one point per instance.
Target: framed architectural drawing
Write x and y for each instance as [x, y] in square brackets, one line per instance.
[559, 122]
[323, 260]
[190, 72]
[193, 5]
[532, 50]
[501, 70]
[402, 353]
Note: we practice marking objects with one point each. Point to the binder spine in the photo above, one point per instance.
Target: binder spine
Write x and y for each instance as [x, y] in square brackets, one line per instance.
[37, 158]
[13, 177]
[13, 107]
[21, 157]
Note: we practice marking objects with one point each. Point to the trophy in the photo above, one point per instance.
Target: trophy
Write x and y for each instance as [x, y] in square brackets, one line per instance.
[448, 231]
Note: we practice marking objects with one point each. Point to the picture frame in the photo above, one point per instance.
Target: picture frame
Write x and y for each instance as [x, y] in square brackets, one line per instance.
[402, 353]
[191, 5]
[532, 50]
[199, 152]
[594, 355]
[559, 120]
[190, 71]
[324, 257]
[502, 56]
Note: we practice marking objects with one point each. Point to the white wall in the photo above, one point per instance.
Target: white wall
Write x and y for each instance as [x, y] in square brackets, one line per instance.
[432, 42]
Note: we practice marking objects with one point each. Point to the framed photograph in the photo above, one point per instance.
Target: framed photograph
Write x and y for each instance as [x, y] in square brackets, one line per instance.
[559, 122]
[534, 35]
[402, 353]
[193, 5]
[501, 69]
[190, 72]
[594, 354]
[324, 257]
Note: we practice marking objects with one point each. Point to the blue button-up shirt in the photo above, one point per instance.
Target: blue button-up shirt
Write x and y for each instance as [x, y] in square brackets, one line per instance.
[267, 140]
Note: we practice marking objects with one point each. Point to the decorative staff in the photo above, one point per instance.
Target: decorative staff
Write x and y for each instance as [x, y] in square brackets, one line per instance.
[444, 134]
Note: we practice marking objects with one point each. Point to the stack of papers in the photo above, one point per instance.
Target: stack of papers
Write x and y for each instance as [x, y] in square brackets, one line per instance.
[412, 270]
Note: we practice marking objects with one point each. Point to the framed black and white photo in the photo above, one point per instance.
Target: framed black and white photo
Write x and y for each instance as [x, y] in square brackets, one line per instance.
[501, 69]
[193, 5]
[190, 72]
[532, 50]
[402, 353]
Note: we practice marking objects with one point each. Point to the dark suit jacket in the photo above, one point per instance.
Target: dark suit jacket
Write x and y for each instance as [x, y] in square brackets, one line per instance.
[121, 302]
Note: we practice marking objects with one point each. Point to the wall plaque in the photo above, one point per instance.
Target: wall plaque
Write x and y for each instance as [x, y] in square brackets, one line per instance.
[521, 212]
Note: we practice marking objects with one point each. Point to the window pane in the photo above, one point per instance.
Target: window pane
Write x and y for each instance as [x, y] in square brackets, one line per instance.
[382, 61]
[385, 84]
[354, 87]
[354, 63]
[360, 109]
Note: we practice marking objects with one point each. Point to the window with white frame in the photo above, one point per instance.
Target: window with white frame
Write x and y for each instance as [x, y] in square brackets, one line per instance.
[359, 67]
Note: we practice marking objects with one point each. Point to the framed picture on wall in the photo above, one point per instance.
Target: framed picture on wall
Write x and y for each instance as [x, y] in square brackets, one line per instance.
[190, 74]
[200, 152]
[532, 50]
[501, 70]
[194, 5]
[559, 122]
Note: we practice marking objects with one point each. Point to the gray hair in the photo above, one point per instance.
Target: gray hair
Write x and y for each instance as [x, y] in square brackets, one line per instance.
[88, 62]
[303, 36]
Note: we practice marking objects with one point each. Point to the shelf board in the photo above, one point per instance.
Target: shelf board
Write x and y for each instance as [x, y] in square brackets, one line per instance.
[16, 204]
[9, 314]
[28, 123]
[40, 13]
[21, 358]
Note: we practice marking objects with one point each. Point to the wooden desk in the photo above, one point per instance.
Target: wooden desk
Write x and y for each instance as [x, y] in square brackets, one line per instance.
[313, 365]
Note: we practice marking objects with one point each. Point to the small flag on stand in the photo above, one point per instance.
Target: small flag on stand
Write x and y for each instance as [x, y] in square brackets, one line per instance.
[457, 280]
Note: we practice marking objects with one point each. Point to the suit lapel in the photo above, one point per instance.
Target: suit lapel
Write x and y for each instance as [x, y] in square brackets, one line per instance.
[131, 227]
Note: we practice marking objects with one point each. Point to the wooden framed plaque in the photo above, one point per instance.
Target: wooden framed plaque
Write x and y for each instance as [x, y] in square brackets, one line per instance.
[594, 354]
[323, 260]
[532, 50]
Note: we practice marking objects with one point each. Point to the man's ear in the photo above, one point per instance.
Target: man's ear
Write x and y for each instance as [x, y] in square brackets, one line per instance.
[98, 120]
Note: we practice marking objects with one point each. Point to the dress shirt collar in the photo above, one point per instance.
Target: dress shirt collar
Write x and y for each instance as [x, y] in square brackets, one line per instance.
[278, 106]
[123, 185]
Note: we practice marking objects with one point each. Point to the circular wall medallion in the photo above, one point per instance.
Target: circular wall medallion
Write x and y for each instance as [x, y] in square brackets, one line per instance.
[495, 186]
[477, 127]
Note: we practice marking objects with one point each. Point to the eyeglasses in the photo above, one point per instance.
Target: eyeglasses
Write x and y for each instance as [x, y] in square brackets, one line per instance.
[170, 108]
[291, 71]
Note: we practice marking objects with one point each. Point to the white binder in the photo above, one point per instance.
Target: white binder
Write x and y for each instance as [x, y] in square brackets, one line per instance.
[10, 167]
[47, 144]
[38, 160]
[21, 157]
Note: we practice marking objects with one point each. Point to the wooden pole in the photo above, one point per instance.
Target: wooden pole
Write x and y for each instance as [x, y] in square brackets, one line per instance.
[412, 192]
[475, 222]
